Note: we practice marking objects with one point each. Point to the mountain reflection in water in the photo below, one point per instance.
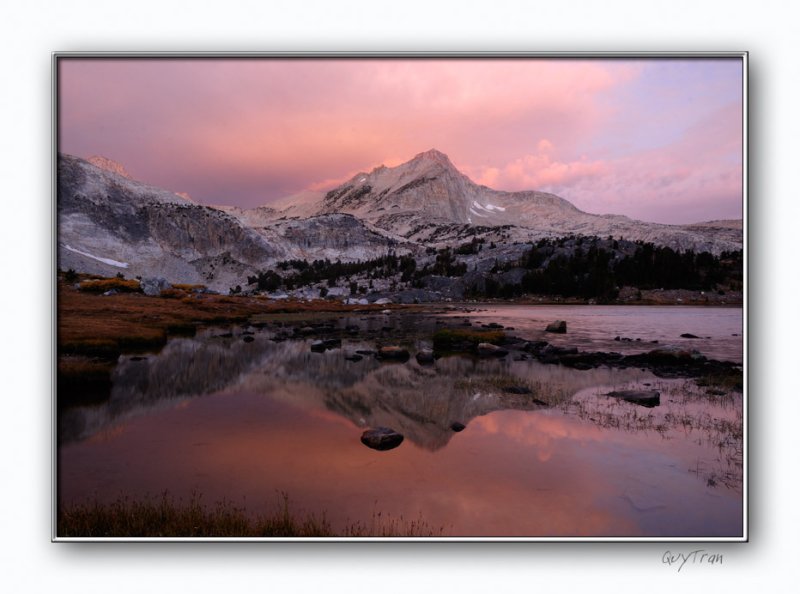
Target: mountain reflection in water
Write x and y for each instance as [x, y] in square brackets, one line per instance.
[243, 420]
[419, 401]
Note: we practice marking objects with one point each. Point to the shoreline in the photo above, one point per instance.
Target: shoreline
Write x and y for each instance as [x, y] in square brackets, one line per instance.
[305, 325]
[529, 302]
[95, 330]
[106, 326]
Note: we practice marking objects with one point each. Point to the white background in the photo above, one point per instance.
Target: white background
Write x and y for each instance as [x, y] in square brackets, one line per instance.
[29, 562]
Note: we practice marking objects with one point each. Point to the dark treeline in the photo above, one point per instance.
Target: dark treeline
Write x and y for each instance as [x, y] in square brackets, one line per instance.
[300, 273]
[446, 264]
[593, 268]
[574, 266]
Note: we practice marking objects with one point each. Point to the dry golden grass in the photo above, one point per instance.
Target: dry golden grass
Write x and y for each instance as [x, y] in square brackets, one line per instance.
[83, 366]
[108, 284]
[95, 325]
[167, 517]
[93, 330]
[174, 293]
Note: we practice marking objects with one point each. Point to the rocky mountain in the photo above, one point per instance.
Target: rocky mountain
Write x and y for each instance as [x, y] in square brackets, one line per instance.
[110, 223]
[430, 188]
[426, 196]
[109, 165]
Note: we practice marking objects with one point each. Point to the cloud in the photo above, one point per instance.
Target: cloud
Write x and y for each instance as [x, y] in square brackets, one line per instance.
[696, 177]
[542, 433]
[249, 131]
[540, 170]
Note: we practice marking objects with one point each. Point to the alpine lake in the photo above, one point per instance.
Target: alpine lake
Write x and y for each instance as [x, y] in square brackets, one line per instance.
[618, 427]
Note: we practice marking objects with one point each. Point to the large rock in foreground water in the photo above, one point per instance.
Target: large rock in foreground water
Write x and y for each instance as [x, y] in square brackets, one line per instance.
[559, 327]
[381, 438]
[425, 357]
[648, 398]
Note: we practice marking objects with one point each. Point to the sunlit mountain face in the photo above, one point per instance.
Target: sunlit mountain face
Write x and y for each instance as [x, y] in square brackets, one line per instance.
[110, 224]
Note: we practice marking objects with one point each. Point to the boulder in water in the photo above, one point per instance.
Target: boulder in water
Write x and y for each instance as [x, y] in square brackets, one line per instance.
[381, 438]
[648, 398]
[425, 357]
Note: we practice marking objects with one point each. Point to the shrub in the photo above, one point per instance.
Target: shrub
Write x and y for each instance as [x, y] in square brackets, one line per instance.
[188, 287]
[172, 293]
[108, 284]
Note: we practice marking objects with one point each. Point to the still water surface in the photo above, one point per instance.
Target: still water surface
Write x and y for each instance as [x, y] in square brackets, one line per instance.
[245, 421]
[594, 327]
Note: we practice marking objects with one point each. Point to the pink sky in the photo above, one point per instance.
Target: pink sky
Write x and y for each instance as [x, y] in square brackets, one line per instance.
[654, 139]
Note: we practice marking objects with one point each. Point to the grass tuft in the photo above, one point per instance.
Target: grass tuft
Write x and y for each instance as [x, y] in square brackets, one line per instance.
[730, 381]
[454, 339]
[166, 517]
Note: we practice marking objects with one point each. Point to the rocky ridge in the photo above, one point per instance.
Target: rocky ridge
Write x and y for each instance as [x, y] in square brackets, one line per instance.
[110, 223]
[429, 193]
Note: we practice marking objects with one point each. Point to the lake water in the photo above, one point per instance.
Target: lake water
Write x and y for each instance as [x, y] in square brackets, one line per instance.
[719, 329]
[247, 421]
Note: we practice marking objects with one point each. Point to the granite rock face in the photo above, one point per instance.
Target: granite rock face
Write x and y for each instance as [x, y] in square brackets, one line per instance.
[428, 199]
[154, 286]
[110, 223]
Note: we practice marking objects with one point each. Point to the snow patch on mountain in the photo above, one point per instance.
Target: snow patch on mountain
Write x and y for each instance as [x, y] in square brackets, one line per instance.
[421, 204]
[108, 261]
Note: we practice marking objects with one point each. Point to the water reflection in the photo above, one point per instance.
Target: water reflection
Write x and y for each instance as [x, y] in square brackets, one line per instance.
[422, 402]
[242, 420]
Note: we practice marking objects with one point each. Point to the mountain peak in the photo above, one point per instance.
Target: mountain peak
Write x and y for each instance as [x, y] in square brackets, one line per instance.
[435, 156]
[109, 165]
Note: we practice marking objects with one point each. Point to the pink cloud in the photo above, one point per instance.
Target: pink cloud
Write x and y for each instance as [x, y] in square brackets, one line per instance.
[249, 131]
[315, 116]
[673, 183]
[539, 171]
[540, 432]
[697, 177]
